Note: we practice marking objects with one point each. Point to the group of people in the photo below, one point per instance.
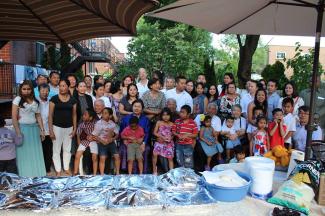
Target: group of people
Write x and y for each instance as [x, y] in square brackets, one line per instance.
[148, 126]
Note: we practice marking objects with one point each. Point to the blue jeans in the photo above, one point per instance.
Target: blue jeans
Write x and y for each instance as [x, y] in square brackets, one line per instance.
[230, 144]
[184, 155]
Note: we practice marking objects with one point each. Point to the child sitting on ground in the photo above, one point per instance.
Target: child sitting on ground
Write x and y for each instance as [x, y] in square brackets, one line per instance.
[228, 130]
[164, 146]
[209, 141]
[260, 143]
[105, 134]
[239, 155]
[8, 142]
[84, 131]
[133, 136]
[277, 129]
[185, 131]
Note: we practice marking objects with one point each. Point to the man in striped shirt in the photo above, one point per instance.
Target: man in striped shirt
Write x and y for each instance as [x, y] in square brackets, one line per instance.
[185, 131]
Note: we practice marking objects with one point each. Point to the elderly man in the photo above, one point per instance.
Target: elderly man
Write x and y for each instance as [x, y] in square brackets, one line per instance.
[300, 135]
[99, 106]
[171, 104]
[179, 94]
[169, 84]
[143, 82]
[215, 121]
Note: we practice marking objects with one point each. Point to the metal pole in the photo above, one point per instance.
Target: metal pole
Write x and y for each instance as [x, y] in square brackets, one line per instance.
[310, 127]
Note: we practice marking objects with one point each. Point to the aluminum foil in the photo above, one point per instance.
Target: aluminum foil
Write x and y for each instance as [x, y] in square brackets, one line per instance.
[179, 186]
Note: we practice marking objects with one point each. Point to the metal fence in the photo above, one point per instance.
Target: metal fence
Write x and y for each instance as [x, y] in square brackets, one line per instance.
[7, 80]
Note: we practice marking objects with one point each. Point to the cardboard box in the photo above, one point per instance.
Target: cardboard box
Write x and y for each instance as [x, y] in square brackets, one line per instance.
[321, 193]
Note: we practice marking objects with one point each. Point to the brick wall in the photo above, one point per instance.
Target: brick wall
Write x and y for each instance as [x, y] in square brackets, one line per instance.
[5, 53]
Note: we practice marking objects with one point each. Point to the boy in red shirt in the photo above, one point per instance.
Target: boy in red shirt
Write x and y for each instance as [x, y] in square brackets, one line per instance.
[133, 136]
[185, 131]
[277, 129]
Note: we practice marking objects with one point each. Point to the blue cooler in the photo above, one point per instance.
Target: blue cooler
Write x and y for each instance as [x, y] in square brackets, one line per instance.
[229, 194]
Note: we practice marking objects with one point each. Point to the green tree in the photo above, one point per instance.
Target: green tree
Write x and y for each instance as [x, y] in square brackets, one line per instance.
[210, 72]
[302, 65]
[276, 72]
[177, 49]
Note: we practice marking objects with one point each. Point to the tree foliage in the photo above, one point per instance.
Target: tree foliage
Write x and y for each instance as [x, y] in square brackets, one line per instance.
[275, 72]
[209, 71]
[177, 49]
[302, 65]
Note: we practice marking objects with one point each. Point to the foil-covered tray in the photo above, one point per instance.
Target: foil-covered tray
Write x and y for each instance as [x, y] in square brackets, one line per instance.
[179, 186]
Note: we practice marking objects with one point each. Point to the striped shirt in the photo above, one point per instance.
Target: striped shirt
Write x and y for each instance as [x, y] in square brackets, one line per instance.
[181, 127]
[85, 129]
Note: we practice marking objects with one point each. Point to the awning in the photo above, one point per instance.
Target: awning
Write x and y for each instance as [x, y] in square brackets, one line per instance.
[70, 20]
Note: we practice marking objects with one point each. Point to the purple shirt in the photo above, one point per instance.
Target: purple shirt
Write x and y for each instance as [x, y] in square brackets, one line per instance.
[8, 142]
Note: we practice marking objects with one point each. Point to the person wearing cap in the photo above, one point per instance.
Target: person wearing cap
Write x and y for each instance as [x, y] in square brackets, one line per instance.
[319, 99]
[40, 80]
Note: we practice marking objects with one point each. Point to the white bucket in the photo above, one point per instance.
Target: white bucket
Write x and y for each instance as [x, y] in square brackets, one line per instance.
[262, 181]
[258, 162]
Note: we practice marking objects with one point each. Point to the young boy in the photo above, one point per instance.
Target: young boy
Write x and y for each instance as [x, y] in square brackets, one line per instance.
[185, 131]
[105, 134]
[277, 129]
[289, 120]
[8, 142]
[228, 130]
[84, 131]
[239, 155]
[133, 136]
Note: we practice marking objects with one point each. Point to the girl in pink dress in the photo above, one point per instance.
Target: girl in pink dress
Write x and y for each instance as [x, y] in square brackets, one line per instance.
[164, 146]
[260, 143]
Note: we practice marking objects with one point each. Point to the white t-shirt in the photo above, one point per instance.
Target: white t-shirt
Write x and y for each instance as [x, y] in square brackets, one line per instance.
[232, 130]
[239, 123]
[215, 122]
[251, 128]
[182, 98]
[290, 122]
[299, 137]
[106, 100]
[244, 101]
[26, 115]
[44, 108]
[142, 88]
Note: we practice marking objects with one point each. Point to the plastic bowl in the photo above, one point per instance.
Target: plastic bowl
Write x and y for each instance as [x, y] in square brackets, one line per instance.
[229, 194]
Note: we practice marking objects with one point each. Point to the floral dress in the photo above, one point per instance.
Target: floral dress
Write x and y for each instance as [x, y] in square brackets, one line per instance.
[165, 149]
[226, 103]
[260, 143]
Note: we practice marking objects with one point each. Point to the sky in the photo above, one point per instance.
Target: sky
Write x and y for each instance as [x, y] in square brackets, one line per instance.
[121, 42]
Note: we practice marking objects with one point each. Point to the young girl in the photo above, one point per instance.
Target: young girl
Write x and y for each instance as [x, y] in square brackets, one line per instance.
[27, 121]
[84, 131]
[164, 146]
[208, 140]
[99, 91]
[260, 143]
[200, 102]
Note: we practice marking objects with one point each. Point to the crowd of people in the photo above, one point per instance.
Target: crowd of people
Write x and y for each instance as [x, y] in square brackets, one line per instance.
[150, 126]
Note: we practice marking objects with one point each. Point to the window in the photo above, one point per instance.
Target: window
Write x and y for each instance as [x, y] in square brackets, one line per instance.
[39, 52]
[280, 55]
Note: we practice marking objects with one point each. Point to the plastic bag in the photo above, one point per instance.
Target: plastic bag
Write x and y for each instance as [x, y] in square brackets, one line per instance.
[307, 172]
[294, 196]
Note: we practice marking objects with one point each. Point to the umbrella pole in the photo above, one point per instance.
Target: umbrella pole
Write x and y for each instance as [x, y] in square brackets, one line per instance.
[310, 127]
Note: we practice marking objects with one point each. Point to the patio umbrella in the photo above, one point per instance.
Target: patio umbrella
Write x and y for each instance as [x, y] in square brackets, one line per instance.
[268, 17]
[69, 20]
